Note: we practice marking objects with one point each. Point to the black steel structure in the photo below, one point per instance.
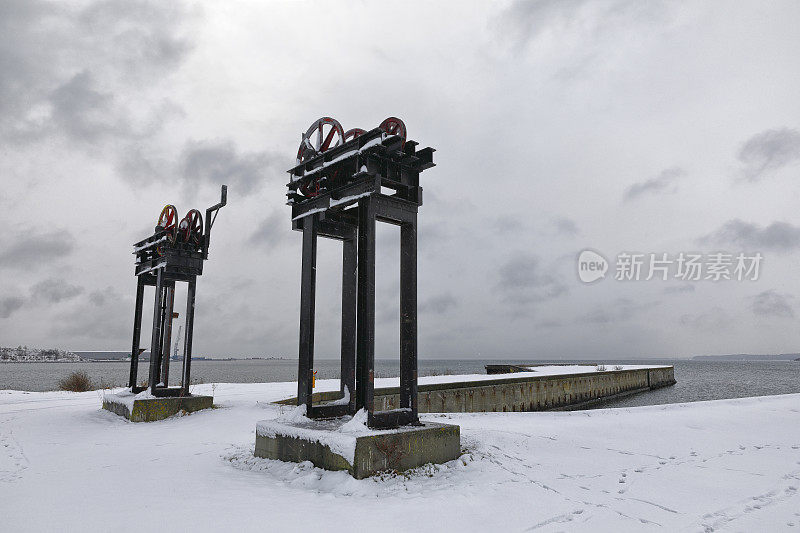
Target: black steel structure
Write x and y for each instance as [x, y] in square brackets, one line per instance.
[342, 185]
[174, 253]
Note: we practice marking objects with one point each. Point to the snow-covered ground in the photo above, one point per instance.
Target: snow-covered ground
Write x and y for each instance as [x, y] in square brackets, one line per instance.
[730, 465]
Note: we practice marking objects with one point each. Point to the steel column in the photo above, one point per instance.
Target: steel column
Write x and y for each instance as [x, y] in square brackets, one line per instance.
[187, 342]
[155, 343]
[408, 316]
[169, 307]
[349, 290]
[308, 280]
[365, 319]
[137, 332]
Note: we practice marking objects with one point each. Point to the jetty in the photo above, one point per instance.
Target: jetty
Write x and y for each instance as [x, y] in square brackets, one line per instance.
[513, 388]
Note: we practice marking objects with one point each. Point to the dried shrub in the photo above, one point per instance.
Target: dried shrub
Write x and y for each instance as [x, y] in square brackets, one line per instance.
[76, 382]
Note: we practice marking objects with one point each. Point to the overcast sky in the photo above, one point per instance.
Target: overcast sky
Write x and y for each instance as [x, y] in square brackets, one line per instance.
[618, 126]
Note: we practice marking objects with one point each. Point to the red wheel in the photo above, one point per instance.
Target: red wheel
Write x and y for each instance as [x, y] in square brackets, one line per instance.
[168, 221]
[353, 133]
[190, 228]
[321, 136]
[168, 217]
[394, 126]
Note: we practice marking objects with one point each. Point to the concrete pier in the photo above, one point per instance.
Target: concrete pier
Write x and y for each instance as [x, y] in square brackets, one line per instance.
[523, 390]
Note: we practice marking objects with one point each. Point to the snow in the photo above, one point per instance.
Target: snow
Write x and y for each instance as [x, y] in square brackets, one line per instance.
[333, 203]
[310, 212]
[344, 400]
[342, 157]
[126, 397]
[137, 249]
[350, 198]
[154, 267]
[337, 434]
[328, 432]
[727, 465]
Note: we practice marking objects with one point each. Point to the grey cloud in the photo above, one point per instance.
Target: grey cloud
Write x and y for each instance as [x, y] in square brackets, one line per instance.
[779, 236]
[141, 165]
[772, 304]
[438, 304]
[566, 226]
[549, 324]
[34, 250]
[220, 162]
[715, 320]
[523, 281]
[55, 291]
[524, 22]
[665, 182]
[386, 314]
[620, 310]
[507, 224]
[272, 231]
[52, 53]
[679, 289]
[143, 36]
[10, 304]
[769, 151]
[104, 315]
[83, 113]
[100, 297]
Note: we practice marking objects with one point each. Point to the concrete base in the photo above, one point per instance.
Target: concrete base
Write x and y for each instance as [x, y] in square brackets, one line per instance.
[362, 453]
[150, 409]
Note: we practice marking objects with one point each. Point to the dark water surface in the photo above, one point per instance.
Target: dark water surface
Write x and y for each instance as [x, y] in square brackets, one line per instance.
[697, 380]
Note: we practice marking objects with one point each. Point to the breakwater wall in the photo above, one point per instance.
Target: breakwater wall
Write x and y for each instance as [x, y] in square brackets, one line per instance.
[507, 392]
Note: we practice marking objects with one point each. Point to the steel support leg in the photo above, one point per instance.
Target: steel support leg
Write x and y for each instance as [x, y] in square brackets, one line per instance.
[169, 307]
[308, 280]
[365, 318]
[349, 290]
[187, 342]
[137, 332]
[155, 343]
[408, 317]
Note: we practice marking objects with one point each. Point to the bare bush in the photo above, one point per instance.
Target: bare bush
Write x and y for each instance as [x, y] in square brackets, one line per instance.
[76, 382]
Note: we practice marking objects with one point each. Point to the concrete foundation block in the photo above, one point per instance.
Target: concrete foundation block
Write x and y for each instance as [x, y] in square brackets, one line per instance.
[362, 453]
[151, 409]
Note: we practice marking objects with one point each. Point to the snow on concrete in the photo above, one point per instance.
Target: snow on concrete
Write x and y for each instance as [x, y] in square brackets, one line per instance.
[338, 434]
[126, 397]
[547, 370]
[727, 465]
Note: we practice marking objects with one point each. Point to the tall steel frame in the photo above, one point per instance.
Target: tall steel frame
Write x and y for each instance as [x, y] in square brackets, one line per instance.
[162, 260]
[341, 194]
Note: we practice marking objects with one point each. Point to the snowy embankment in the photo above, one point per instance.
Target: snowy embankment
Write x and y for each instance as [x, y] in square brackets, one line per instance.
[66, 465]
